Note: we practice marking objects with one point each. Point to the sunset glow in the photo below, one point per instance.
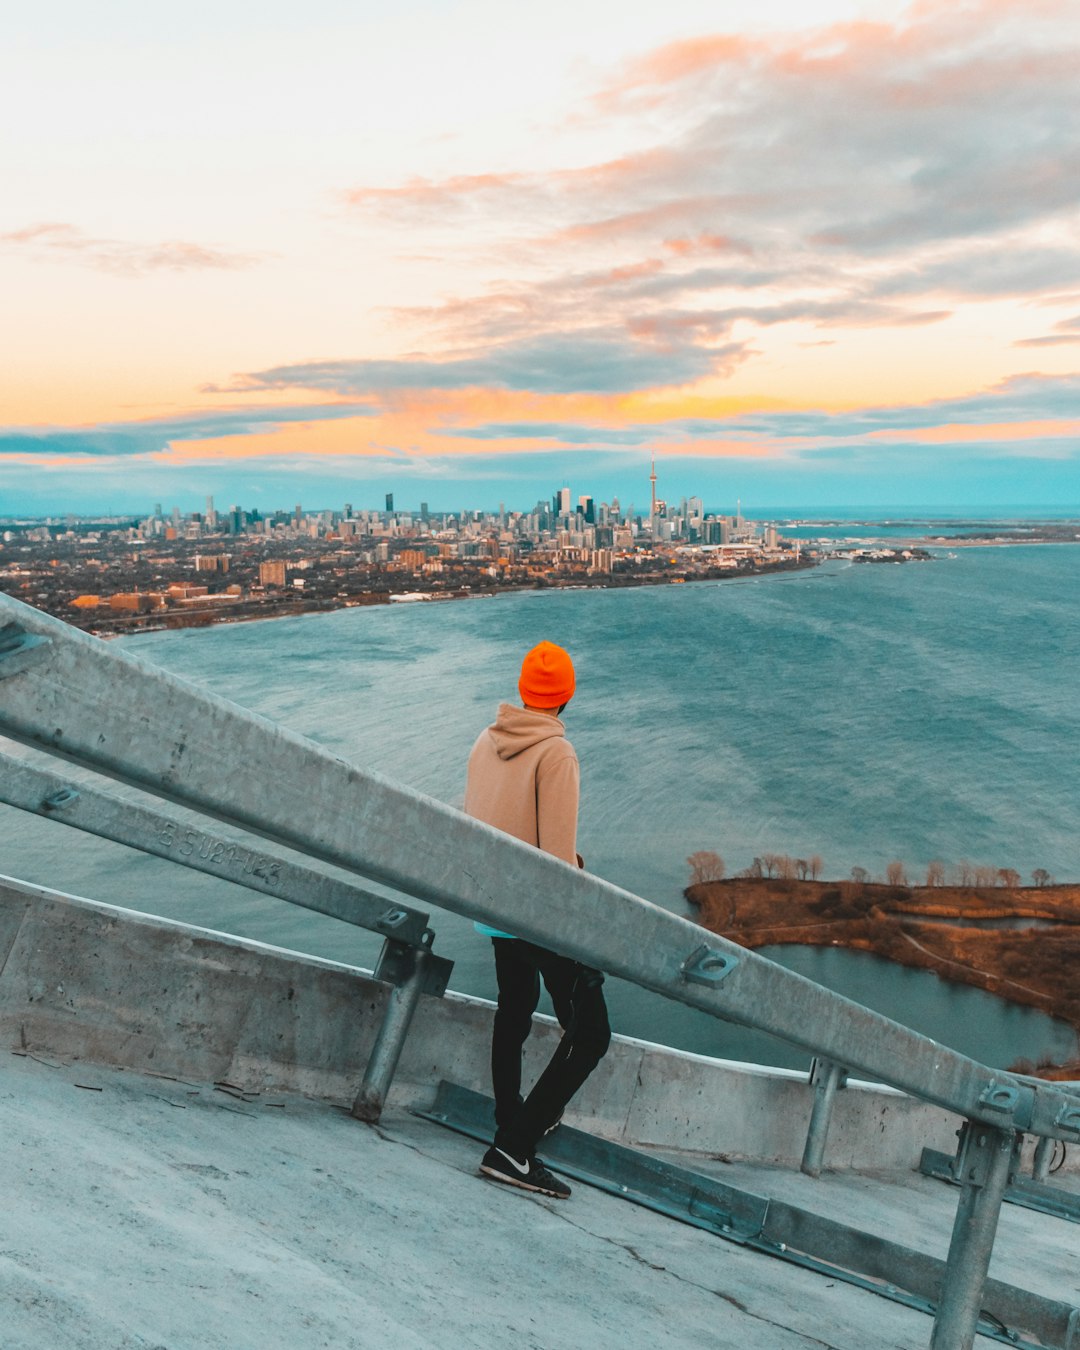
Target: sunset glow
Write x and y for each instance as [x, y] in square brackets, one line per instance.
[794, 259]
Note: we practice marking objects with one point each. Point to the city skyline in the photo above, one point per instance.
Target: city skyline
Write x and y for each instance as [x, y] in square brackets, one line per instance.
[826, 257]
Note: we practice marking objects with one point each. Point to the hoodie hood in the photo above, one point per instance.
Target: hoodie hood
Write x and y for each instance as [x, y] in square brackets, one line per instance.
[517, 729]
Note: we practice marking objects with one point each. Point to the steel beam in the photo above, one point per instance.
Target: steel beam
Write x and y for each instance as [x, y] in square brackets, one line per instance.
[984, 1162]
[87, 807]
[1041, 1162]
[826, 1078]
[95, 704]
[405, 994]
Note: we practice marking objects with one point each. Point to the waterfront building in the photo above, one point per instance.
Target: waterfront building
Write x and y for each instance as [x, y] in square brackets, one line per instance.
[272, 573]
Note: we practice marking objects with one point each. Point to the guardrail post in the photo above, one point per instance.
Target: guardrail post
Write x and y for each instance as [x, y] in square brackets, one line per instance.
[407, 969]
[984, 1161]
[826, 1077]
[1040, 1164]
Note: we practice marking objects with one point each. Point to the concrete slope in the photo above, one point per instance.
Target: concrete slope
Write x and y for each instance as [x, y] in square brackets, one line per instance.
[151, 1213]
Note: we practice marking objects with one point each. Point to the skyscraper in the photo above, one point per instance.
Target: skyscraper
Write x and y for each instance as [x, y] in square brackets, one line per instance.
[389, 503]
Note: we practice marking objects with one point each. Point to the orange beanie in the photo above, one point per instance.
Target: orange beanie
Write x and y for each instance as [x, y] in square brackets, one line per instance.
[547, 677]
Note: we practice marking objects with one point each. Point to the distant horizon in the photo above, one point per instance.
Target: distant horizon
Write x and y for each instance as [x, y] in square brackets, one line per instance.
[849, 512]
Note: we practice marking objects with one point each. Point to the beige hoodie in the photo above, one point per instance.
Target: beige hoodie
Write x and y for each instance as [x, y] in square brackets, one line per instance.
[523, 779]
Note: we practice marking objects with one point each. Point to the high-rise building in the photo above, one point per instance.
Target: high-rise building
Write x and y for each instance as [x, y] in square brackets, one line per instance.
[272, 573]
[424, 512]
[587, 509]
[562, 502]
[389, 503]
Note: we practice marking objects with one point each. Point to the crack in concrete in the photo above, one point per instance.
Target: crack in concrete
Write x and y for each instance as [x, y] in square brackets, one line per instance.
[693, 1284]
[557, 1208]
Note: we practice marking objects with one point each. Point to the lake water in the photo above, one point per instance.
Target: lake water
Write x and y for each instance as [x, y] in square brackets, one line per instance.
[862, 712]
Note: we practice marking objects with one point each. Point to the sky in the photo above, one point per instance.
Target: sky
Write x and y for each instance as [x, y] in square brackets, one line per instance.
[468, 252]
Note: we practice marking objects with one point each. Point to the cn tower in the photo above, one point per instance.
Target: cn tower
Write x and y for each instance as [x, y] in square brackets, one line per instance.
[652, 481]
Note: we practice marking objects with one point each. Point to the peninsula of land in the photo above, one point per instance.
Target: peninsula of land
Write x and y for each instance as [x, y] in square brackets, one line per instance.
[1018, 942]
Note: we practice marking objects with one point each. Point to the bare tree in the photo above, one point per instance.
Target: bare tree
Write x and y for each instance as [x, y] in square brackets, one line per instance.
[802, 867]
[1041, 877]
[705, 866]
[816, 864]
[769, 861]
[895, 874]
[935, 873]
[860, 874]
[786, 867]
[755, 868]
[963, 871]
[985, 876]
[1008, 876]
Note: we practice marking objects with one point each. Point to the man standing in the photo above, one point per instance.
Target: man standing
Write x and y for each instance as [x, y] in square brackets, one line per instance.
[523, 779]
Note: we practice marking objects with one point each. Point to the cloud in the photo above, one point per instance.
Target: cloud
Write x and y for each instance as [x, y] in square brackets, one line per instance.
[57, 241]
[155, 434]
[567, 433]
[869, 173]
[1004, 268]
[582, 362]
[1019, 399]
[1068, 331]
[959, 122]
[1033, 403]
[1053, 340]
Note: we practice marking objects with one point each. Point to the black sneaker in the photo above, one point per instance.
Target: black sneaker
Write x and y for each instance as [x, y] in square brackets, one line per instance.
[530, 1175]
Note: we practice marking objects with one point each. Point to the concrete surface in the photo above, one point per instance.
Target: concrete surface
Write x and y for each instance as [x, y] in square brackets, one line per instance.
[94, 982]
[146, 1213]
[167, 1184]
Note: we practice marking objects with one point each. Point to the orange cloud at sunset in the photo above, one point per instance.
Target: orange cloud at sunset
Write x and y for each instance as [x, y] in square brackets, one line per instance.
[726, 241]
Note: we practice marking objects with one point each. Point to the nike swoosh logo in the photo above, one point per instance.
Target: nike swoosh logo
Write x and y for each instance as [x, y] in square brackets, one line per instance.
[522, 1169]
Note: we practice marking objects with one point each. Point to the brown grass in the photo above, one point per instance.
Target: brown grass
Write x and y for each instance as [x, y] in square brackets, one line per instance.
[928, 928]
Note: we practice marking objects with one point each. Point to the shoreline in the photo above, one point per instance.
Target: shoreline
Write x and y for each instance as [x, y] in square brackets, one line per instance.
[1019, 943]
[442, 597]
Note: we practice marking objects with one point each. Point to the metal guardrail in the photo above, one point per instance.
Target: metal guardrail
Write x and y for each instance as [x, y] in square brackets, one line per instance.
[406, 963]
[86, 807]
[869, 1260]
[94, 704]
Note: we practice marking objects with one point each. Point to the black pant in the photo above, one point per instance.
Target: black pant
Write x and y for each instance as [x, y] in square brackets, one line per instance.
[578, 998]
